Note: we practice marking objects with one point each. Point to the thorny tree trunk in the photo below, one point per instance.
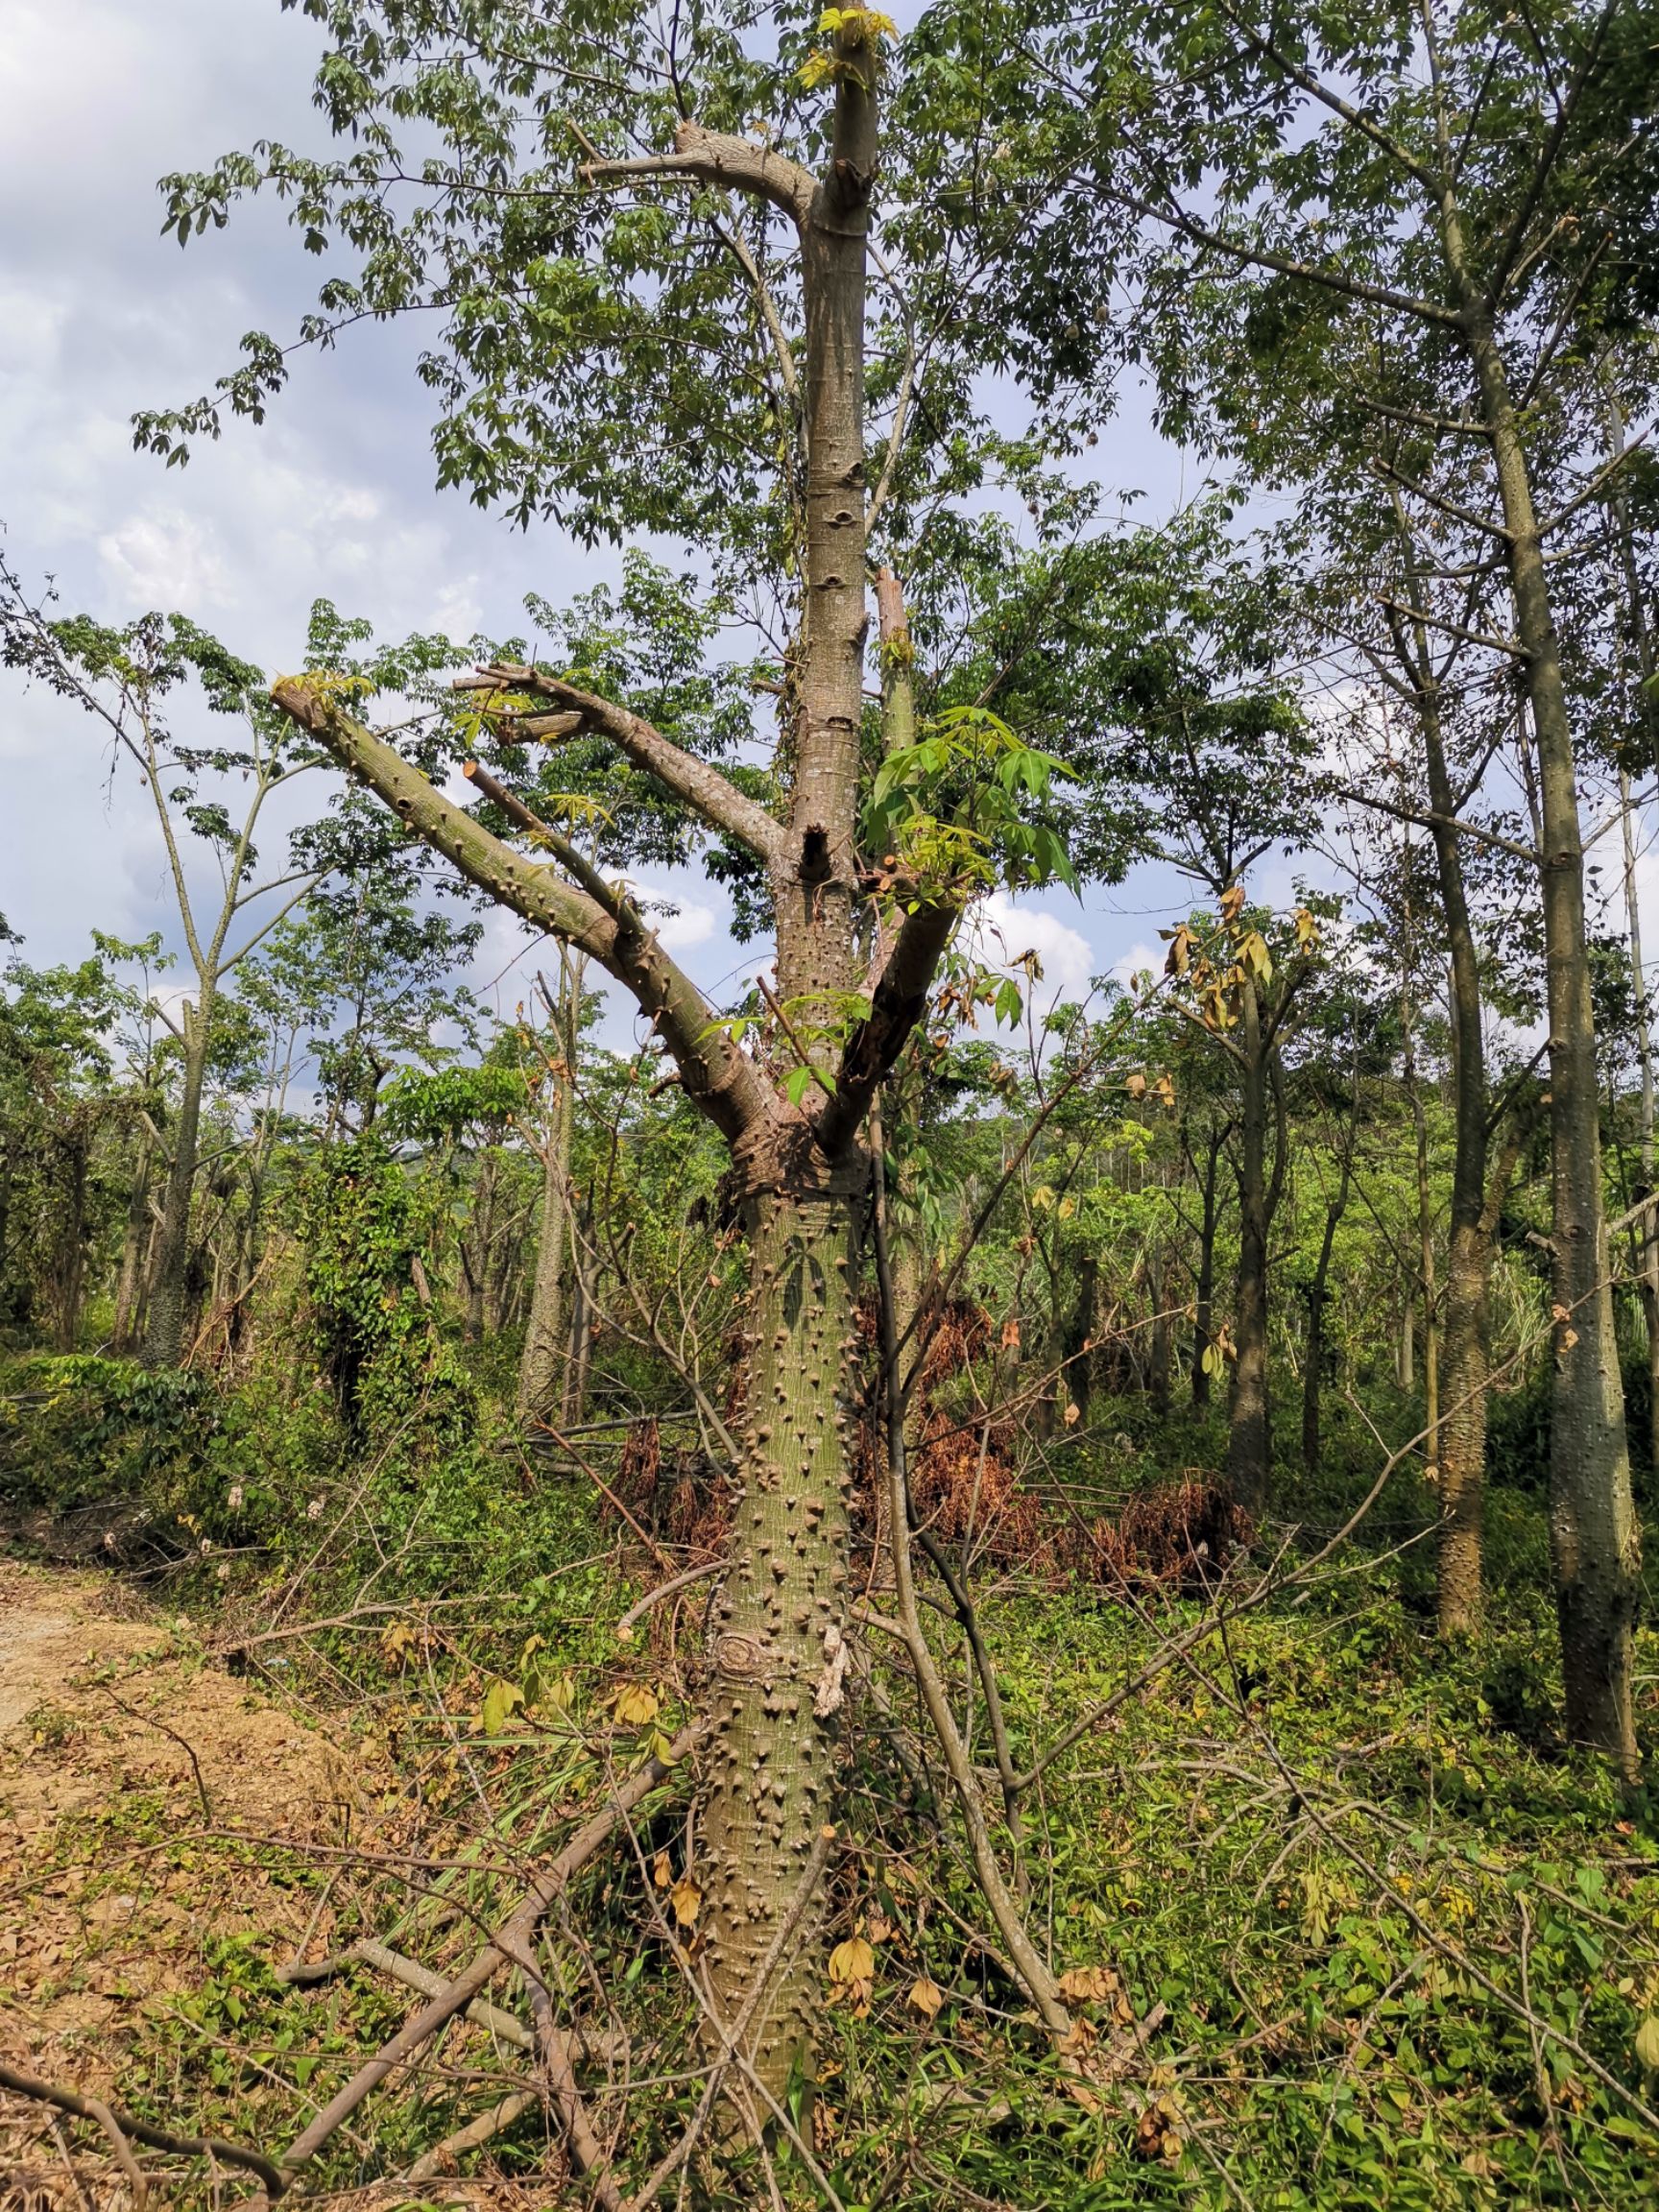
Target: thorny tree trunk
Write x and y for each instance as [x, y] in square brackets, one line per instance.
[135, 1242]
[1158, 1362]
[164, 1326]
[1593, 1532]
[1642, 652]
[1426, 1271]
[69, 1272]
[781, 1616]
[1249, 1435]
[475, 1246]
[778, 1620]
[500, 1266]
[1076, 1339]
[579, 1365]
[1647, 1229]
[799, 1174]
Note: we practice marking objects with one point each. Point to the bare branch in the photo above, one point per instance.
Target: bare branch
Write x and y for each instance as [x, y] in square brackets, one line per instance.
[70, 2100]
[720, 157]
[507, 1944]
[897, 1004]
[1452, 629]
[1355, 118]
[1422, 820]
[1287, 264]
[716, 1075]
[701, 787]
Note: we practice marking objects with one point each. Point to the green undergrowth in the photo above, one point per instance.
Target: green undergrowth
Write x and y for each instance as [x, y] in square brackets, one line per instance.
[1402, 1945]
[1343, 1863]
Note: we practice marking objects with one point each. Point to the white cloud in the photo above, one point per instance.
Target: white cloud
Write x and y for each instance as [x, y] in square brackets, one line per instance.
[693, 924]
[165, 559]
[1003, 929]
[1140, 957]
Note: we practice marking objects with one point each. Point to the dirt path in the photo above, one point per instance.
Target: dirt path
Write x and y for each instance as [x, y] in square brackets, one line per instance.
[138, 1784]
[49, 1623]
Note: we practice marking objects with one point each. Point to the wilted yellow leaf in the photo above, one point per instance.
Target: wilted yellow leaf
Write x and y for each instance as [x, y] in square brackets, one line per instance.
[635, 1705]
[1071, 1416]
[685, 1897]
[853, 1961]
[500, 1700]
[662, 1870]
[925, 1998]
[556, 1693]
[1135, 1085]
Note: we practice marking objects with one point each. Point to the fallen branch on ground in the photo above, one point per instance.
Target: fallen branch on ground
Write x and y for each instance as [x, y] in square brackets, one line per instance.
[441, 2157]
[507, 1944]
[585, 2149]
[130, 2130]
[505, 2026]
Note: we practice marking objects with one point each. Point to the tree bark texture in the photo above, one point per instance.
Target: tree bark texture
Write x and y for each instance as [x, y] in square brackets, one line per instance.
[1462, 1440]
[164, 1321]
[1314, 1374]
[1594, 1532]
[542, 1364]
[1249, 1432]
[1204, 1286]
[779, 1621]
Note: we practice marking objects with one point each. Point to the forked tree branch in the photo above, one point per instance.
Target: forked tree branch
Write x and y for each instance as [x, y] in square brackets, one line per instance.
[126, 2124]
[701, 787]
[1249, 253]
[728, 1086]
[897, 1004]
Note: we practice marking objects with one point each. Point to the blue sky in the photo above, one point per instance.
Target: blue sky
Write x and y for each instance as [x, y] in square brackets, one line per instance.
[100, 316]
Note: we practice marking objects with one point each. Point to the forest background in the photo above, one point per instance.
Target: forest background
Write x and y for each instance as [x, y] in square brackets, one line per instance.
[1160, 1709]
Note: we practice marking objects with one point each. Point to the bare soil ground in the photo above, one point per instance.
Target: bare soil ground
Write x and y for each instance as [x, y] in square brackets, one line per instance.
[118, 1743]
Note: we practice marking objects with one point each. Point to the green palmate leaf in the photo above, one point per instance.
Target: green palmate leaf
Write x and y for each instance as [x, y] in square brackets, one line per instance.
[802, 1079]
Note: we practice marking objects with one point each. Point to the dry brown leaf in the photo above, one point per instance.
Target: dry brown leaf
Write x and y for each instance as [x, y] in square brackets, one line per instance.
[853, 1961]
[1087, 1984]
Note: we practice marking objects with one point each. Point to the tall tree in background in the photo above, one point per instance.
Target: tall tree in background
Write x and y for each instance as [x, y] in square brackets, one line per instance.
[127, 679]
[1461, 195]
